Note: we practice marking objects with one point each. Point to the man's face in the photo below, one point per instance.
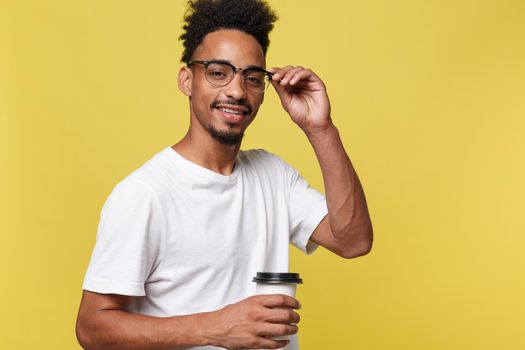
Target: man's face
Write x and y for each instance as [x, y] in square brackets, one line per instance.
[225, 112]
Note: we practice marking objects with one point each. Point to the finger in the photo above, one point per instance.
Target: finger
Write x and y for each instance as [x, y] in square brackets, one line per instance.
[279, 300]
[285, 315]
[269, 343]
[302, 75]
[278, 330]
[278, 73]
[287, 77]
[280, 70]
[278, 87]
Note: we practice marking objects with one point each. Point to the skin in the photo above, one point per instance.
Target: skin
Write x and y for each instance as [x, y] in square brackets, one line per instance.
[198, 146]
[103, 320]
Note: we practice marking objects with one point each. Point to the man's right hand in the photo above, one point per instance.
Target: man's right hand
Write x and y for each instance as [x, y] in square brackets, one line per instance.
[254, 321]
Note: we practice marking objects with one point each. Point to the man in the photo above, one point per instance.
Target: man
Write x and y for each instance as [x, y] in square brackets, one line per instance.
[181, 238]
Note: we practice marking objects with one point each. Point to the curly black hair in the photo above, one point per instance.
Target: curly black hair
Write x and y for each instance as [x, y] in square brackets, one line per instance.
[254, 17]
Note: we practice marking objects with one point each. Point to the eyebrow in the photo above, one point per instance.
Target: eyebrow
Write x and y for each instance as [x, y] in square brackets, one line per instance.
[253, 67]
[219, 60]
[229, 62]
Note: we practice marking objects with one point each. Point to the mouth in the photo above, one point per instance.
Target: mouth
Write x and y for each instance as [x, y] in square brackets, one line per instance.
[232, 113]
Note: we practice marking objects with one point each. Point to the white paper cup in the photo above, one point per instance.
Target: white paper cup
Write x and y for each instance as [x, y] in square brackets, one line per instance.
[277, 283]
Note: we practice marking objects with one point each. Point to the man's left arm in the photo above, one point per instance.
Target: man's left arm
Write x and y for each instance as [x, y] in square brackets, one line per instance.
[347, 229]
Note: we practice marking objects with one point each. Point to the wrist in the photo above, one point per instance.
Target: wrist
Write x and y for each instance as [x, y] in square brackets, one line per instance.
[190, 330]
[319, 134]
[209, 335]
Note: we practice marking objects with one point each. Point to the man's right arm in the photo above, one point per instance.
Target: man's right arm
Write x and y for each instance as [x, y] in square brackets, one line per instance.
[104, 323]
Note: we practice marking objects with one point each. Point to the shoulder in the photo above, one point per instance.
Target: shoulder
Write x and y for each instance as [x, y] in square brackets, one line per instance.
[156, 173]
[145, 183]
[129, 194]
[151, 170]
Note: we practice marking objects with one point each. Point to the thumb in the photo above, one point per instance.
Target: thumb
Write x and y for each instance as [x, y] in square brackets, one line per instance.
[282, 92]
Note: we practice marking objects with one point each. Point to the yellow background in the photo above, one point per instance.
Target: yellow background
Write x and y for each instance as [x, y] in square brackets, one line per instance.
[429, 97]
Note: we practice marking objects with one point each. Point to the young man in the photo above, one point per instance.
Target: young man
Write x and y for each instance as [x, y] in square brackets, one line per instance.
[181, 238]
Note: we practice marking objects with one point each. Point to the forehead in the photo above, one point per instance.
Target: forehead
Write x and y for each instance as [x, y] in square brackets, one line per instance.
[239, 48]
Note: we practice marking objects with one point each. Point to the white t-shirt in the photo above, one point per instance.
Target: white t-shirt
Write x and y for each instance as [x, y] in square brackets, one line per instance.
[185, 239]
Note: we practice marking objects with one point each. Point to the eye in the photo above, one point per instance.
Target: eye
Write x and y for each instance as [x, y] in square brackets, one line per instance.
[217, 71]
[216, 74]
[254, 78]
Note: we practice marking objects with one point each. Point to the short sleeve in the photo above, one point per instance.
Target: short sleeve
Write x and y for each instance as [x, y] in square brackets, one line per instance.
[128, 241]
[307, 208]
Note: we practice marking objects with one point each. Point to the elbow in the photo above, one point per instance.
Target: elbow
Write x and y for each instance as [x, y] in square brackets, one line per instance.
[82, 334]
[360, 245]
[356, 250]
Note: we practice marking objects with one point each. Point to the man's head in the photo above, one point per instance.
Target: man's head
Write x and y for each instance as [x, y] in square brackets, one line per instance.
[253, 17]
[234, 32]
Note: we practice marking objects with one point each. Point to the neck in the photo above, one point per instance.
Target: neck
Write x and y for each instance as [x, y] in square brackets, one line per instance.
[208, 153]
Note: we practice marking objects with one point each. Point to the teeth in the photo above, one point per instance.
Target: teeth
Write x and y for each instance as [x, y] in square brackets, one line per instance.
[231, 111]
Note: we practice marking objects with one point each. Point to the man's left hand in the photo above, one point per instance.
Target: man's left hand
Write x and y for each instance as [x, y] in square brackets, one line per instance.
[303, 95]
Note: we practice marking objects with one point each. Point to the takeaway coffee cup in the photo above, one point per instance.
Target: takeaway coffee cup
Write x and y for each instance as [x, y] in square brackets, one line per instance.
[278, 283]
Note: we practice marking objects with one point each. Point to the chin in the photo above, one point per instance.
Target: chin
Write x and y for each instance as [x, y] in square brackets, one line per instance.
[226, 137]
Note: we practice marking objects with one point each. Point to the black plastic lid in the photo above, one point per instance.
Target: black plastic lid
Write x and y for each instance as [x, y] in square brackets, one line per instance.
[277, 277]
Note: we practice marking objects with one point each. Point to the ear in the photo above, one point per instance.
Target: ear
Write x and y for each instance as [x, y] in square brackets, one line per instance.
[185, 80]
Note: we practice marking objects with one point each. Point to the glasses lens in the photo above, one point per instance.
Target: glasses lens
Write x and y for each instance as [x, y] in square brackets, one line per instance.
[219, 74]
[256, 80]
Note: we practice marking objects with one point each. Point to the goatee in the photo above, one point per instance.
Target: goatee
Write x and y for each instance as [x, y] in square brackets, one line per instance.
[228, 138]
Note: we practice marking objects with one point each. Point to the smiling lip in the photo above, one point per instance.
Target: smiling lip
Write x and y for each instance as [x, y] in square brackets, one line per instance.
[232, 113]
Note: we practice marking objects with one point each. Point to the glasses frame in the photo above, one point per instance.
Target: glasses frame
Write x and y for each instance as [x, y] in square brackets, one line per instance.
[235, 70]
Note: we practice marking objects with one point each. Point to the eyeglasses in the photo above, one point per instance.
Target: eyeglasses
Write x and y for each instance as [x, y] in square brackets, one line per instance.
[221, 73]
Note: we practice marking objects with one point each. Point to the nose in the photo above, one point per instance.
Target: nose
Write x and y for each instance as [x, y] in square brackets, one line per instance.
[235, 89]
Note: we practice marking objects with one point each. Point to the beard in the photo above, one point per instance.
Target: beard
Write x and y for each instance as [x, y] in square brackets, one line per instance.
[228, 138]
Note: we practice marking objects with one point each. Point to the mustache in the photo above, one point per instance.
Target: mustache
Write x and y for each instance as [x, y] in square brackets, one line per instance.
[232, 102]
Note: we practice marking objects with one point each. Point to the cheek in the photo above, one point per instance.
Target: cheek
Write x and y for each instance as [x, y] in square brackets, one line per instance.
[256, 104]
[202, 97]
